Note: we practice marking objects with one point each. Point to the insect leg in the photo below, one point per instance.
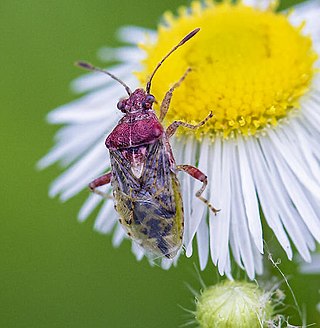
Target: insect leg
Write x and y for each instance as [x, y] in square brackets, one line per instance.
[167, 98]
[101, 181]
[197, 174]
[172, 128]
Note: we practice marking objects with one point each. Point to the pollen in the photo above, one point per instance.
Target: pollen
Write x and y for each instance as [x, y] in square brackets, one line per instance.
[249, 67]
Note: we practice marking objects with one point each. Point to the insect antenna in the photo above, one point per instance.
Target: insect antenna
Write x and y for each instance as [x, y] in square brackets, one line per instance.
[183, 41]
[90, 67]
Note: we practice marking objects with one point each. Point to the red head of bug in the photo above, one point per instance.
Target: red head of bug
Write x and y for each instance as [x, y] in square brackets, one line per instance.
[137, 101]
[146, 190]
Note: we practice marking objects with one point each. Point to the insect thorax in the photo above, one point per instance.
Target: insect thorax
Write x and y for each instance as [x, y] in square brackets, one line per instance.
[134, 130]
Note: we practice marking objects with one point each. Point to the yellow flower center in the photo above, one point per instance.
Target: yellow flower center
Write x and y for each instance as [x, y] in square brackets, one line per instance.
[249, 67]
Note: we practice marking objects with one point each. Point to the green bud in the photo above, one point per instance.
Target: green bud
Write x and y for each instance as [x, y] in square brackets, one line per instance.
[234, 304]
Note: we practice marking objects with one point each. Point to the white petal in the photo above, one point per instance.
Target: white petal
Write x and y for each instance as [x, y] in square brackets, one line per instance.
[166, 263]
[227, 268]
[239, 222]
[68, 149]
[96, 106]
[313, 267]
[88, 206]
[82, 172]
[106, 218]
[288, 214]
[249, 196]
[305, 149]
[260, 4]
[286, 151]
[118, 236]
[137, 251]
[199, 209]
[234, 244]
[122, 54]
[215, 198]
[294, 179]
[309, 13]
[258, 261]
[136, 35]
[189, 158]
[91, 81]
[225, 210]
[203, 243]
[266, 194]
[311, 117]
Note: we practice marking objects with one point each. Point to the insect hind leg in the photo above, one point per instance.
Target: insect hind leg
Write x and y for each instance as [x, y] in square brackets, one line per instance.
[101, 181]
[197, 174]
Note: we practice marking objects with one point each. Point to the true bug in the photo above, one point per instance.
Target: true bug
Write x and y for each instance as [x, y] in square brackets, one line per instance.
[146, 190]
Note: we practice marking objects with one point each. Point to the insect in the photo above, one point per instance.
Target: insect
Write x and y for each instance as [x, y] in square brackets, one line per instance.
[146, 190]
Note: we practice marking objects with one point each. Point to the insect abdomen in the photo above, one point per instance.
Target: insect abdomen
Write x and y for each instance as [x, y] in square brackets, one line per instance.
[151, 224]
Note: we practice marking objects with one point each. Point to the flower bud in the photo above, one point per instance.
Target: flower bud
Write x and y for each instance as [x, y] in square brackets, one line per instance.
[234, 304]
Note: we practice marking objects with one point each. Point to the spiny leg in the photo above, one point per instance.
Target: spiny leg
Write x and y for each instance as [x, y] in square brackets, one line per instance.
[172, 128]
[167, 98]
[197, 174]
[101, 181]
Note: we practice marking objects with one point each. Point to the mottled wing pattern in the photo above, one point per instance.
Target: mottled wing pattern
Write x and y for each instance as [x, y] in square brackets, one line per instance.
[149, 204]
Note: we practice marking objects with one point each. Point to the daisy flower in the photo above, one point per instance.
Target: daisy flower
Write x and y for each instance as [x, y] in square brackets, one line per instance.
[257, 71]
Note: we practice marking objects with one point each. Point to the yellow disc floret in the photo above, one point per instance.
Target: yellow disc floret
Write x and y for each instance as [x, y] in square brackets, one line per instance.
[249, 67]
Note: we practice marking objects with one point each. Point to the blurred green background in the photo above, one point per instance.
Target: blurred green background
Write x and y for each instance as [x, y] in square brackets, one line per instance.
[54, 271]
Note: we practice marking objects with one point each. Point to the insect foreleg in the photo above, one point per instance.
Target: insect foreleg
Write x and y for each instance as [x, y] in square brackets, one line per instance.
[101, 181]
[167, 98]
[197, 174]
[172, 128]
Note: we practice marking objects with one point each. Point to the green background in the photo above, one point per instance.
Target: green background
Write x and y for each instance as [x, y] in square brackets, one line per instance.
[55, 272]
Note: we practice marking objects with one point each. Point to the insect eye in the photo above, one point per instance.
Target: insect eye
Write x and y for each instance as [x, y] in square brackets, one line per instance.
[121, 104]
[149, 100]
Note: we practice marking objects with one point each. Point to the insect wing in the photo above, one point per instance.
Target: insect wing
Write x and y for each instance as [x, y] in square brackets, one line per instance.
[147, 197]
